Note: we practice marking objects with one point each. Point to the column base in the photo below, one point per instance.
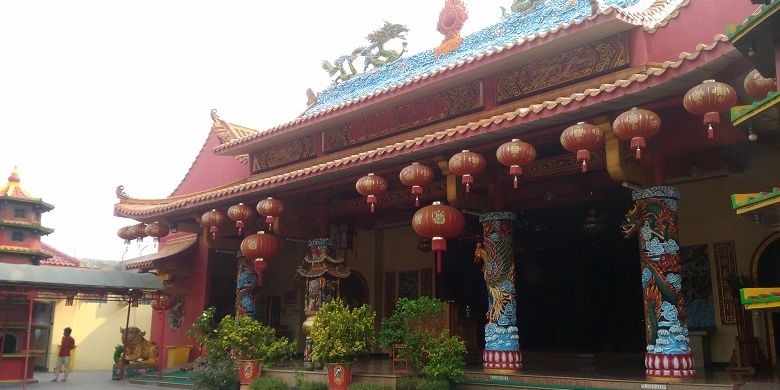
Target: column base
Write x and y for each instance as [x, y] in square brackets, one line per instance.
[665, 368]
[502, 360]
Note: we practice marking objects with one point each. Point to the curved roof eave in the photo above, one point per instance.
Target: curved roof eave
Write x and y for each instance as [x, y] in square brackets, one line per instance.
[638, 83]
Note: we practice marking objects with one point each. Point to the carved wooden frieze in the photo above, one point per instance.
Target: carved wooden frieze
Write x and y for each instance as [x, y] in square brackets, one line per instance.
[563, 164]
[286, 153]
[574, 65]
[431, 109]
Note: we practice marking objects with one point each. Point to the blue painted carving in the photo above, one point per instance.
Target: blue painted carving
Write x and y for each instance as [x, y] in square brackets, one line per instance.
[246, 284]
[512, 26]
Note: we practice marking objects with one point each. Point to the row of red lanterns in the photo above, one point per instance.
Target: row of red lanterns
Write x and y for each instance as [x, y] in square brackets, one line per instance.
[270, 208]
[138, 231]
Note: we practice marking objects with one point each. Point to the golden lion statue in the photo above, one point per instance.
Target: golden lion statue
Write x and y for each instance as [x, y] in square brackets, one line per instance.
[137, 348]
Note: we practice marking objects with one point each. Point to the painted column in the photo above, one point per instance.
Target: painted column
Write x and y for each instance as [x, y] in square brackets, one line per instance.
[246, 287]
[654, 217]
[322, 273]
[502, 348]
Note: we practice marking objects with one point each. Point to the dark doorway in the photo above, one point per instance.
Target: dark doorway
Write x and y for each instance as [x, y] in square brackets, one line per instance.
[768, 275]
[353, 290]
[578, 287]
[223, 268]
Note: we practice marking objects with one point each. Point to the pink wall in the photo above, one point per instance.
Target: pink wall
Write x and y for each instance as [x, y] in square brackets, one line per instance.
[697, 23]
[194, 289]
[210, 170]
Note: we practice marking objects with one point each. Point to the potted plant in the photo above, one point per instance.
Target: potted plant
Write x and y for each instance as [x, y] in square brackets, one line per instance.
[340, 334]
[252, 345]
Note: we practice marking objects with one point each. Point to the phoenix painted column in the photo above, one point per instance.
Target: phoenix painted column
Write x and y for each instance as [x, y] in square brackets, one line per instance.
[502, 348]
[654, 217]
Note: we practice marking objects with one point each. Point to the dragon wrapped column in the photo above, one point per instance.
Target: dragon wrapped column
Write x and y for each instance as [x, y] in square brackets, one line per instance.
[502, 348]
[246, 288]
[654, 219]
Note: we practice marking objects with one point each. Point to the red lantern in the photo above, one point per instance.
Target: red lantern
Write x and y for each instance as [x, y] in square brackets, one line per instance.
[516, 154]
[467, 164]
[270, 208]
[156, 230]
[708, 99]
[416, 176]
[759, 86]
[438, 222]
[260, 246]
[162, 303]
[126, 234]
[137, 232]
[581, 139]
[212, 219]
[371, 186]
[635, 125]
[239, 213]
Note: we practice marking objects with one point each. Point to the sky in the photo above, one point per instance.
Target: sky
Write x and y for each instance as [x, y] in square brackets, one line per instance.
[94, 94]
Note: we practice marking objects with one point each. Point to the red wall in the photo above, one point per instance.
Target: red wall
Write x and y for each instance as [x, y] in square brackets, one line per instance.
[697, 23]
[194, 289]
[210, 170]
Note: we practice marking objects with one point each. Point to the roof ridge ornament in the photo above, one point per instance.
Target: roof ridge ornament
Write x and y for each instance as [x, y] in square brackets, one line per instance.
[523, 6]
[375, 54]
[451, 20]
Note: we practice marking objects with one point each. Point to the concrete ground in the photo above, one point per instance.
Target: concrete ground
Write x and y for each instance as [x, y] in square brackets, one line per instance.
[81, 380]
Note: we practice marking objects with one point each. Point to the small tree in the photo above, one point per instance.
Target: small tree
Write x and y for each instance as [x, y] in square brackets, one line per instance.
[341, 334]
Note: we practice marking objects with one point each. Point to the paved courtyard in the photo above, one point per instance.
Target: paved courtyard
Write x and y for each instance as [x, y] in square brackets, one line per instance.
[81, 380]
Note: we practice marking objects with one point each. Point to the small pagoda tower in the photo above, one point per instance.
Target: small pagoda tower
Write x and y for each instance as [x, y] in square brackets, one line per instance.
[20, 224]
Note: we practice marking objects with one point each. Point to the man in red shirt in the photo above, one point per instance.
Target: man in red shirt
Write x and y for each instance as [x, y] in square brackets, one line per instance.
[63, 358]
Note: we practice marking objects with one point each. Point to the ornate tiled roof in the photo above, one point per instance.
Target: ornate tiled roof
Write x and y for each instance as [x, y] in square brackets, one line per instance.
[660, 73]
[42, 254]
[513, 30]
[168, 248]
[13, 189]
[27, 225]
[59, 258]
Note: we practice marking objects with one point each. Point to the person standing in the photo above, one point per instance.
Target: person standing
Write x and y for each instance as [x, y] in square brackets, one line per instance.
[63, 357]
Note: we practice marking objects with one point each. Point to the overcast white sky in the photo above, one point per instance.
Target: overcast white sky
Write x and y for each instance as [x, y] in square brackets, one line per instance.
[94, 94]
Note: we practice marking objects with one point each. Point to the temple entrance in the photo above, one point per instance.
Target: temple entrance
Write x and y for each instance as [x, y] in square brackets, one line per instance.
[577, 281]
[354, 289]
[223, 267]
[767, 274]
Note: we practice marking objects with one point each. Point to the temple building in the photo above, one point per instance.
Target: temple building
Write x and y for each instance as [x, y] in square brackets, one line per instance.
[562, 177]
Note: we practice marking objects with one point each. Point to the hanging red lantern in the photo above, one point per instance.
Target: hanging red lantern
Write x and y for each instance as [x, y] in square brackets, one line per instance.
[138, 232]
[438, 222]
[211, 220]
[416, 176]
[516, 154]
[161, 303]
[126, 234]
[759, 86]
[467, 164]
[260, 247]
[156, 230]
[635, 125]
[708, 99]
[270, 208]
[581, 139]
[239, 213]
[371, 186]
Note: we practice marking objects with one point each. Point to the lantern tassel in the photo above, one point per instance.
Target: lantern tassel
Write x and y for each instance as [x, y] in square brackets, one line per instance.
[515, 182]
[584, 166]
[214, 231]
[417, 201]
[240, 226]
[467, 180]
[584, 155]
[438, 262]
[259, 279]
[710, 132]
[372, 207]
[638, 143]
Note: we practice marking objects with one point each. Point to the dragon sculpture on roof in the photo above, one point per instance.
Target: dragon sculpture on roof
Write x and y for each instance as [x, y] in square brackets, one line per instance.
[375, 54]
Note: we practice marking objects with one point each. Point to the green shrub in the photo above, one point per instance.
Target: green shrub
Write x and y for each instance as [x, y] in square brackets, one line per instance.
[369, 386]
[264, 383]
[432, 384]
[214, 372]
[445, 356]
[248, 339]
[341, 334]
[314, 386]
